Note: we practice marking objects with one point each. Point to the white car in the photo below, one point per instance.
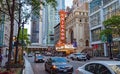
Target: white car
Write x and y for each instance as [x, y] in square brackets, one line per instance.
[100, 67]
[78, 56]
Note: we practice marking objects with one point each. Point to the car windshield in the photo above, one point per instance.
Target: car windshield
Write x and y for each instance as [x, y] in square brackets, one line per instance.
[115, 68]
[59, 60]
[79, 54]
[39, 56]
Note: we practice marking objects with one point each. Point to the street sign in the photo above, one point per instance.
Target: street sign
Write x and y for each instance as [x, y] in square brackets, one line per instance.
[104, 38]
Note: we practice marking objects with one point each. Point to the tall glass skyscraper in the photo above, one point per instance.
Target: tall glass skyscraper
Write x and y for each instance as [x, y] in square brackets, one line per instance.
[36, 28]
[50, 19]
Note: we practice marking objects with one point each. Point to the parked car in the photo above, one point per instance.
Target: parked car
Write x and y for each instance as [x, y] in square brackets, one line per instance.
[70, 56]
[99, 67]
[58, 65]
[30, 55]
[117, 57]
[78, 56]
[38, 58]
[48, 54]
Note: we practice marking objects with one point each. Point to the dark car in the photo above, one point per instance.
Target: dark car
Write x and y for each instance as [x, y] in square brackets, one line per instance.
[58, 65]
[117, 57]
[39, 58]
[30, 55]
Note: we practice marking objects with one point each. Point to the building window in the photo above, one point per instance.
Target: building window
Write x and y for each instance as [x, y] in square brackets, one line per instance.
[111, 10]
[83, 13]
[86, 20]
[95, 5]
[96, 34]
[76, 13]
[105, 2]
[80, 20]
[95, 19]
[87, 43]
[51, 38]
[72, 37]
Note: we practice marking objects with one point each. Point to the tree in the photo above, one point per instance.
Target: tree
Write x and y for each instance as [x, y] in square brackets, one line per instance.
[112, 27]
[12, 8]
[113, 23]
[24, 37]
[104, 34]
[9, 5]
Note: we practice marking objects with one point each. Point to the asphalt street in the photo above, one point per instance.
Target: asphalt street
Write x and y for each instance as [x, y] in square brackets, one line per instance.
[38, 68]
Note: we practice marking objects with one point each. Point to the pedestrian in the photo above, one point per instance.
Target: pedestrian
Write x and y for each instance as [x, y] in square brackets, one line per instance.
[0, 57]
[88, 56]
[0, 60]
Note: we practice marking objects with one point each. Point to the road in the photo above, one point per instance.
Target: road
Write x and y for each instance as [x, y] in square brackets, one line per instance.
[38, 68]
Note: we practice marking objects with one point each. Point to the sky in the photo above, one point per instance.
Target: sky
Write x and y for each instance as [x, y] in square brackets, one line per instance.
[67, 3]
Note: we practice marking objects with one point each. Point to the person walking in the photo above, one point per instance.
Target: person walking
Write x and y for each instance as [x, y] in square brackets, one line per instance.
[88, 56]
[0, 58]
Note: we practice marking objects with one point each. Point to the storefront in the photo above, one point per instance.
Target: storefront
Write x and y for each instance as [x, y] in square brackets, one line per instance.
[115, 48]
[98, 50]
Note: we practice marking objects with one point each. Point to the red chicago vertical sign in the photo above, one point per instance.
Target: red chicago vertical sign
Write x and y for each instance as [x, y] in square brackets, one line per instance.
[62, 25]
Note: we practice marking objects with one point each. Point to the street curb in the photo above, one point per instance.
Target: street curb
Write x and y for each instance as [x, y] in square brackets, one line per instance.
[101, 58]
[28, 68]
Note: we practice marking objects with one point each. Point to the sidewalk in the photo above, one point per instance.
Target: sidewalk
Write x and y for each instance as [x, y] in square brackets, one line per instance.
[28, 69]
[101, 58]
[4, 60]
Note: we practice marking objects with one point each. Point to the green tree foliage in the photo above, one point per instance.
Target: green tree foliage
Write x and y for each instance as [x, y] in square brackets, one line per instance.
[112, 26]
[113, 23]
[24, 37]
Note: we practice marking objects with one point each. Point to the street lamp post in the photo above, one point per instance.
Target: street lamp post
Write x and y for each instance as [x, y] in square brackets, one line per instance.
[110, 51]
[109, 40]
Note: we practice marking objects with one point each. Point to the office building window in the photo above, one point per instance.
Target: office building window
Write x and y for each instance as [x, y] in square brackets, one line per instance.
[96, 34]
[105, 2]
[52, 39]
[113, 9]
[95, 19]
[95, 5]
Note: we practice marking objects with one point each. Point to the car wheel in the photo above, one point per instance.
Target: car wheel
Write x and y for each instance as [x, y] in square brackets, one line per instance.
[78, 59]
[51, 71]
[72, 58]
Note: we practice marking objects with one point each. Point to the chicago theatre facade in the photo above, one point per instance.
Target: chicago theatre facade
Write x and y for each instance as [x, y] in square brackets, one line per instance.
[77, 28]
